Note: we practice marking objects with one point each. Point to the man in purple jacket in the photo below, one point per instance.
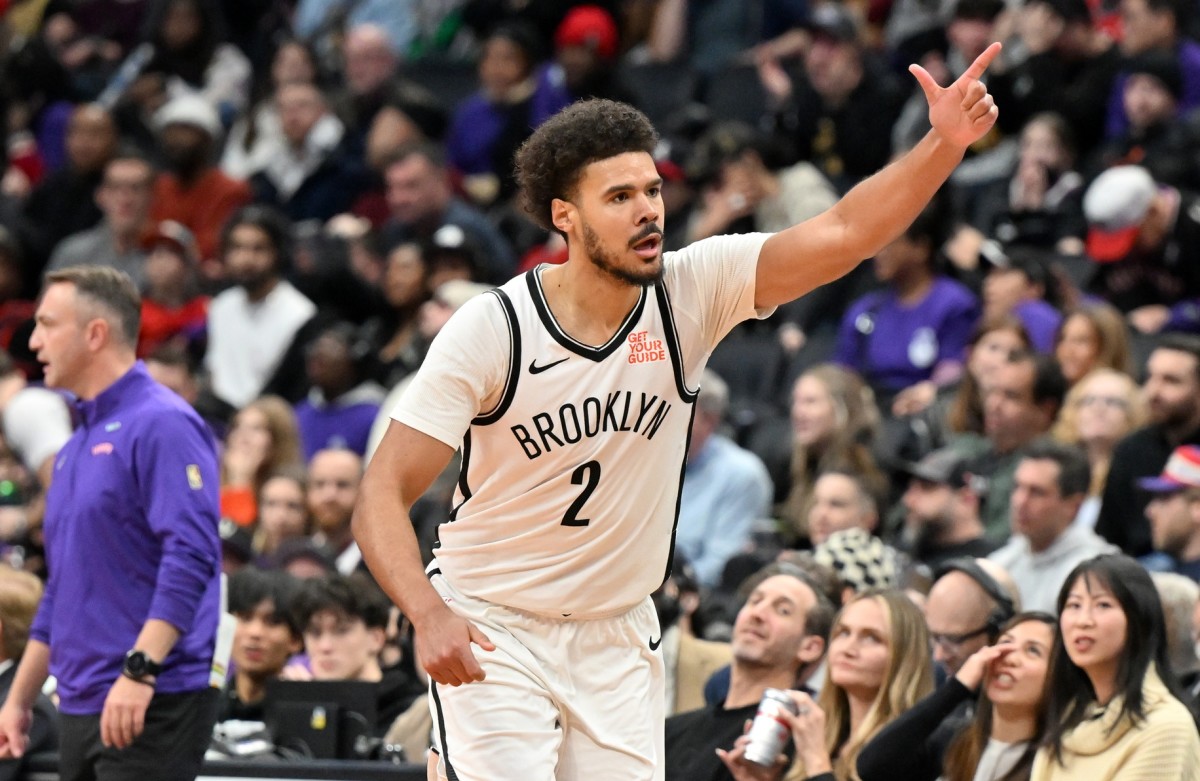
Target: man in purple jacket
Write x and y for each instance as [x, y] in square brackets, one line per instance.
[129, 618]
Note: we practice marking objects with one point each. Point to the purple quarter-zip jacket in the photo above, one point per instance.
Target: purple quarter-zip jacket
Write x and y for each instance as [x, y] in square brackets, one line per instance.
[131, 534]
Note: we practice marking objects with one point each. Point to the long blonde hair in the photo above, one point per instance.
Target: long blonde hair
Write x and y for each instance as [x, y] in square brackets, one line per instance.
[907, 678]
[1066, 427]
[848, 449]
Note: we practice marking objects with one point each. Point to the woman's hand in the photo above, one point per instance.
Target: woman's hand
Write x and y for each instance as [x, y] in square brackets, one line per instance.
[977, 664]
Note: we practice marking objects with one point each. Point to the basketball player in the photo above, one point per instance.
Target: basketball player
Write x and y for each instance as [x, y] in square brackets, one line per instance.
[570, 391]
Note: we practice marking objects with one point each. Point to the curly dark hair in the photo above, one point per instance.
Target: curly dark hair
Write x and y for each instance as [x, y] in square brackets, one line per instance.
[551, 160]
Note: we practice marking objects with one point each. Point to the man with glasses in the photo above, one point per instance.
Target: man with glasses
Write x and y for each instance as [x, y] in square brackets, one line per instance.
[116, 241]
[1174, 514]
[969, 602]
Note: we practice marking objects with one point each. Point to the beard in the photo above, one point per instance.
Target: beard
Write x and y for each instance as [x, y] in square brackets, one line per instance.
[608, 262]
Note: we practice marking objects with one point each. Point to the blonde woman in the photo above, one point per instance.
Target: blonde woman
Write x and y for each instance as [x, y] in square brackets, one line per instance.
[879, 667]
[1094, 336]
[834, 419]
[1098, 412]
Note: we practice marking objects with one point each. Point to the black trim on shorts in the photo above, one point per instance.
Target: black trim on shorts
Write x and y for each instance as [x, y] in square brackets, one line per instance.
[672, 339]
[579, 348]
[435, 571]
[514, 360]
[445, 752]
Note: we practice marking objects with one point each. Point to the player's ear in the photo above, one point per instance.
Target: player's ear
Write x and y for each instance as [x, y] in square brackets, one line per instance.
[562, 214]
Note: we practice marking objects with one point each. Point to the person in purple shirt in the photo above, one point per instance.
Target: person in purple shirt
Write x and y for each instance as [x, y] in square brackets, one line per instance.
[915, 331]
[129, 618]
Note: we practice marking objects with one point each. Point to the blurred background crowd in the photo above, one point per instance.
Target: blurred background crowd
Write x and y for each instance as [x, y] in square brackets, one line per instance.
[306, 190]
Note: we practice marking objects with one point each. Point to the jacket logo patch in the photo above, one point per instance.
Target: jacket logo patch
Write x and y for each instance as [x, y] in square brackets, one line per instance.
[195, 482]
[102, 449]
[116, 424]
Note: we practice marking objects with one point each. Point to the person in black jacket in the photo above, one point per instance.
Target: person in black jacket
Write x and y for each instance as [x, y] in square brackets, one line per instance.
[1002, 737]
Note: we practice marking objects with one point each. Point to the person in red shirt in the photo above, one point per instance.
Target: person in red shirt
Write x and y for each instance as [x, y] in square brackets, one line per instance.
[172, 309]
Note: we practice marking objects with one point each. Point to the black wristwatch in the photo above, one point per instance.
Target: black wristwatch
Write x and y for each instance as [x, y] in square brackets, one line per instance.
[139, 666]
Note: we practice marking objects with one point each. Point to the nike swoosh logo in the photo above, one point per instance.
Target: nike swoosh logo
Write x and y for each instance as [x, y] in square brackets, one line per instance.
[654, 644]
[535, 369]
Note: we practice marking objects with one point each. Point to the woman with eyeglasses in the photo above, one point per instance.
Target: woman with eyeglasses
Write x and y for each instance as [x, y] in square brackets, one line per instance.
[879, 666]
[999, 741]
[1112, 708]
[1098, 412]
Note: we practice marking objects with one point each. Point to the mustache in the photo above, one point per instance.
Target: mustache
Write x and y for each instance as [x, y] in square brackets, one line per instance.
[651, 229]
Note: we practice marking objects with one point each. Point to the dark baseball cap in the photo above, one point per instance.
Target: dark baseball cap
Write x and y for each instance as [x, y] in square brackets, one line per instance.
[941, 467]
[833, 20]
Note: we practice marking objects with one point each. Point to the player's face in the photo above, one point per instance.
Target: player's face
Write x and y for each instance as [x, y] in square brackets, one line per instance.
[617, 217]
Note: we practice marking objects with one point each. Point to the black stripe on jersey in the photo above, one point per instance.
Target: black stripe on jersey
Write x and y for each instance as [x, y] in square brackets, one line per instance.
[464, 487]
[514, 362]
[672, 338]
[579, 348]
[441, 720]
[679, 496]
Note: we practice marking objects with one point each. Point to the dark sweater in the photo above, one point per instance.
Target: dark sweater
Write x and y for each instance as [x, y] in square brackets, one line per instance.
[913, 745]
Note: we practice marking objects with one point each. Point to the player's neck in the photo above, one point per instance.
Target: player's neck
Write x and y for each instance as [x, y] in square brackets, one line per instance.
[586, 302]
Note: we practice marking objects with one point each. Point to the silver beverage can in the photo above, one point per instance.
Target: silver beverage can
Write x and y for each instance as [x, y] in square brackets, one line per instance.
[769, 733]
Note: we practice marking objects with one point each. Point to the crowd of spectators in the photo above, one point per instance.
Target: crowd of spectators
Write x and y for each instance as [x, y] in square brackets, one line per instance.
[306, 190]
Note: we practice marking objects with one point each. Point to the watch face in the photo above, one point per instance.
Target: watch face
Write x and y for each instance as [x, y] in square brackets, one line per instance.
[137, 664]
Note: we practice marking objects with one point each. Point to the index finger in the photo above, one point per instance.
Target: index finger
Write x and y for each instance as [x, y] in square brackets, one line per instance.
[982, 62]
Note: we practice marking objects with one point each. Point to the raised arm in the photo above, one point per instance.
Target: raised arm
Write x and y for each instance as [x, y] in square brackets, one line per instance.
[879, 208]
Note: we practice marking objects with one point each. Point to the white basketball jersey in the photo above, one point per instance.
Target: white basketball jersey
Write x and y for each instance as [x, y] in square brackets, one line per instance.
[572, 465]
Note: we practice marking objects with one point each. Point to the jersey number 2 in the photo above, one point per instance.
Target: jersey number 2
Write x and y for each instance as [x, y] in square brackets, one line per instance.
[587, 475]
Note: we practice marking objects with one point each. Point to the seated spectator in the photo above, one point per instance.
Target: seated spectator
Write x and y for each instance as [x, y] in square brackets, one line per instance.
[941, 506]
[123, 196]
[1020, 284]
[191, 190]
[266, 636]
[779, 633]
[342, 403]
[1002, 737]
[878, 669]
[910, 338]
[192, 57]
[252, 324]
[1174, 513]
[257, 136]
[282, 512]
[1180, 596]
[333, 480]
[994, 339]
[741, 193]
[1021, 401]
[969, 603]
[1092, 336]
[1172, 393]
[1050, 483]
[1101, 410]
[838, 112]
[1155, 138]
[262, 438]
[344, 621]
[35, 421]
[488, 127]
[421, 200]
[310, 176]
[20, 593]
[173, 310]
[394, 337]
[1041, 203]
[64, 203]
[302, 558]
[841, 500]
[1137, 229]
[860, 561]
[833, 417]
[1113, 711]
[725, 489]
[587, 45]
